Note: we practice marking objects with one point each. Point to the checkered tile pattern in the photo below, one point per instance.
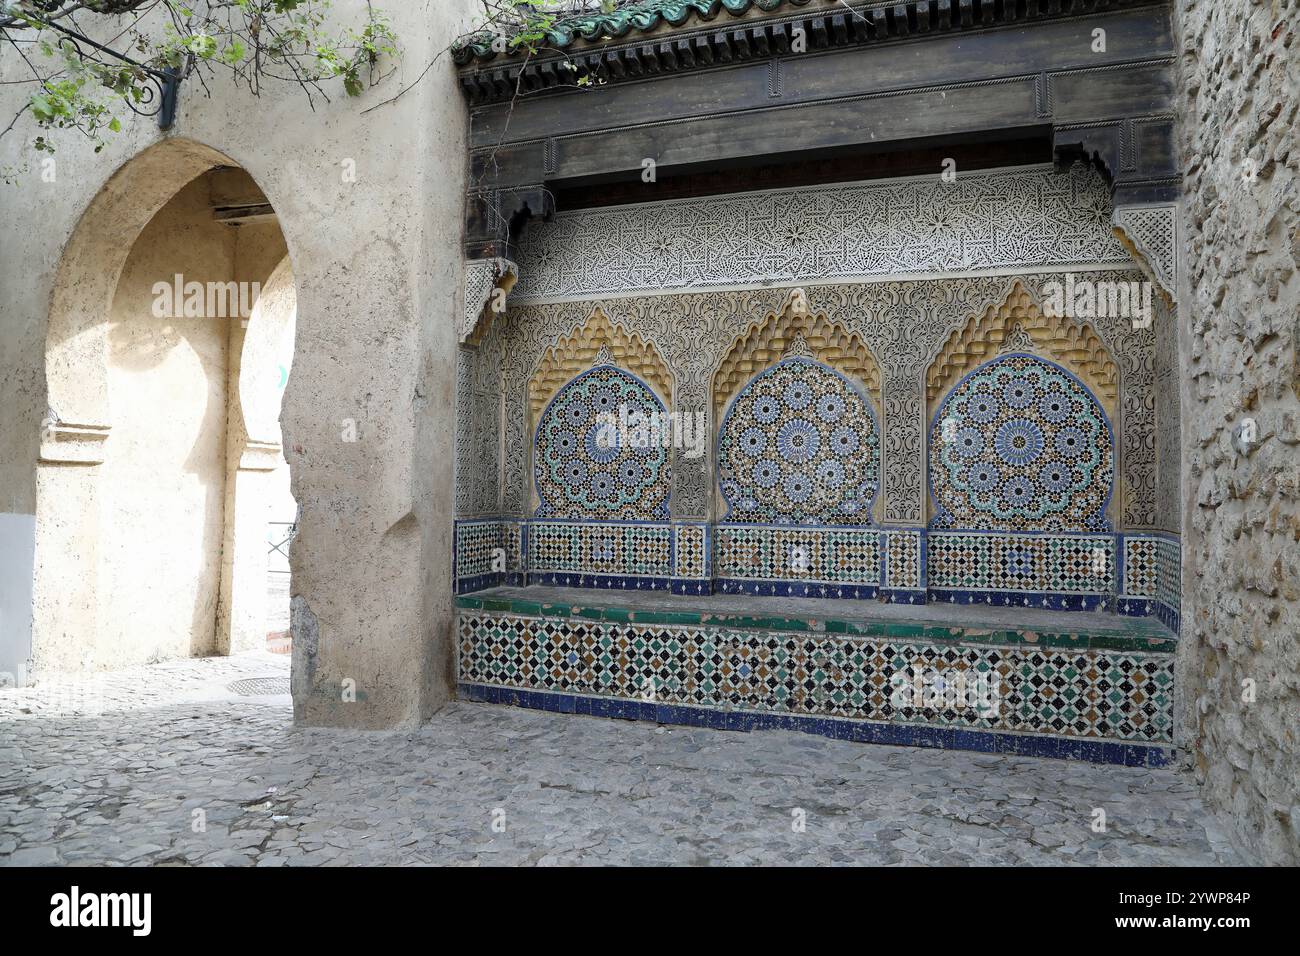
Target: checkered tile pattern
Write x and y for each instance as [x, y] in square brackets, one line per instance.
[600, 548]
[904, 560]
[691, 554]
[831, 555]
[475, 542]
[1140, 566]
[1094, 694]
[1169, 573]
[1069, 564]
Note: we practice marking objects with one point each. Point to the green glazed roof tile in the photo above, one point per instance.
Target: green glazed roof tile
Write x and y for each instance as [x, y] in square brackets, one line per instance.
[640, 15]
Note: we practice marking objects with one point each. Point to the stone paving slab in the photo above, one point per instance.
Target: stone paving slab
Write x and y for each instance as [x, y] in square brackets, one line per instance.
[176, 770]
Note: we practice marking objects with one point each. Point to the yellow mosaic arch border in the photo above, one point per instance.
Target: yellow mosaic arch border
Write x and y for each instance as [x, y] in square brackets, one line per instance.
[1075, 346]
[570, 357]
[765, 343]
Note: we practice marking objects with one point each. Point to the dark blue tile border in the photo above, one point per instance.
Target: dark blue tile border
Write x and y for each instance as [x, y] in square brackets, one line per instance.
[1042, 600]
[903, 596]
[861, 731]
[1135, 606]
[605, 582]
[480, 582]
[692, 586]
[1150, 607]
[861, 592]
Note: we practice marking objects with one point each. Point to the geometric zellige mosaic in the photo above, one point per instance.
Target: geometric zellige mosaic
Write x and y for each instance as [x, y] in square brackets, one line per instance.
[1140, 578]
[1090, 694]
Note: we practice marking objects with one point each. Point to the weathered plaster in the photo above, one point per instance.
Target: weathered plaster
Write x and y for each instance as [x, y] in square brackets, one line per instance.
[377, 261]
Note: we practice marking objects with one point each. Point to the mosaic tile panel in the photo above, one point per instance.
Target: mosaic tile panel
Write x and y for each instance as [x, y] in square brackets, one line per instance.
[1085, 694]
[823, 555]
[1020, 445]
[487, 553]
[600, 548]
[1153, 578]
[597, 454]
[691, 557]
[1169, 577]
[1060, 564]
[1140, 567]
[476, 542]
[799, 445]
[514, 533]
[903, 560]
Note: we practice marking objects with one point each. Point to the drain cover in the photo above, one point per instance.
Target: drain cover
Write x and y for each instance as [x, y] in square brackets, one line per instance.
[259, 686]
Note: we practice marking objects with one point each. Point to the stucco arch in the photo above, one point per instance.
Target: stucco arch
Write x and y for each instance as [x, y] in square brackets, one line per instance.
[96, 540]
[574, 354]
[765, 343]
[91, 265]
[1020, 322]
[267, 356]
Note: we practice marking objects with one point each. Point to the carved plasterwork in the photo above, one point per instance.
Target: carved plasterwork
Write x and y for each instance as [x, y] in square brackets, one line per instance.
[1027, 218]
[1168, 421]
[903, 323]
[597, 338]
[1072, 344]
[487, 283]
[767, 342]
[900, 270]
[1150, 234]
[478, 436]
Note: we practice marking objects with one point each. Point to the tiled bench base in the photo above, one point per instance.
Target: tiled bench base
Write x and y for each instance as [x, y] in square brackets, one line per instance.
[1099, 691]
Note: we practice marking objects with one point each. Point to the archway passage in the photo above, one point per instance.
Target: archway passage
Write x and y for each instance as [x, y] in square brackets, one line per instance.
[170, 342]
[261, 515]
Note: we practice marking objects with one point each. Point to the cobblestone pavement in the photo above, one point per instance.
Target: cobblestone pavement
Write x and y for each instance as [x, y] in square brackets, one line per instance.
[176, 769]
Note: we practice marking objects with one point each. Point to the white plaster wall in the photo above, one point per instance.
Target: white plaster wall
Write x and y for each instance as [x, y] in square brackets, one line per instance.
[163, 479]
[378, 267]
[17, 542]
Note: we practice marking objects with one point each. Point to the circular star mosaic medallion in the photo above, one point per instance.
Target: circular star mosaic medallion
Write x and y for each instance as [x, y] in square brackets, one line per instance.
[799, 445]
[1021, 444]
[597, 454]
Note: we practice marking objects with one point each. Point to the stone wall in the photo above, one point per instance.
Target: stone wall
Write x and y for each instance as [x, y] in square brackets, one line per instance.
[1241, 352]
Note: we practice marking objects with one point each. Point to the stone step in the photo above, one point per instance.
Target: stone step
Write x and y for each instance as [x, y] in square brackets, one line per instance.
[1084, 686]
[937, 622]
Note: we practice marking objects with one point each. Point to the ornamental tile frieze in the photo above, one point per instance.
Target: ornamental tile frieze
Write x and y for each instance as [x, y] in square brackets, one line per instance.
[904, 324]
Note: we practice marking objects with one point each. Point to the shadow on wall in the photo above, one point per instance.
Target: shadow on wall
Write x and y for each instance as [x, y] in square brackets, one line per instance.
[171, 527]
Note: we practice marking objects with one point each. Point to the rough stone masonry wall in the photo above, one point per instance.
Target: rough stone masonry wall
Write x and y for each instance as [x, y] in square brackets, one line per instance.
[1241, 352]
